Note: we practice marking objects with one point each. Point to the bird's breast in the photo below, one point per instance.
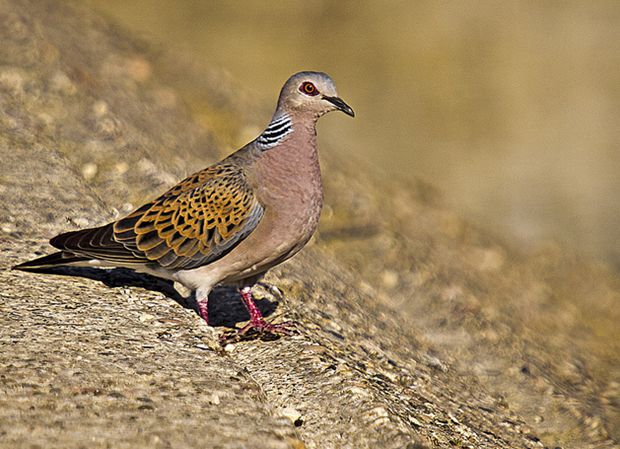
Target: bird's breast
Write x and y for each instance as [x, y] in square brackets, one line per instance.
[289, 187]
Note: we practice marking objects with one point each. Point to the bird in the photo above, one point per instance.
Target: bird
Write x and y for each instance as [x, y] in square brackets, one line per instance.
[227, 224]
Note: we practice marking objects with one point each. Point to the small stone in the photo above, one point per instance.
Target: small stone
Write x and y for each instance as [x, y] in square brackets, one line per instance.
[139, 69]
[229, 347]
[121, 167]
[414, 421]
[80, 222]
[8, 228]
[453, 418]
[100, 108]
[146, 317]
[89, 170]
[389, 278]
[127, 207]
[291, 414]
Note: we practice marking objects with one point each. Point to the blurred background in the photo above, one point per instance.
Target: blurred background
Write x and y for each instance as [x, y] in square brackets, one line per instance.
[511, 109]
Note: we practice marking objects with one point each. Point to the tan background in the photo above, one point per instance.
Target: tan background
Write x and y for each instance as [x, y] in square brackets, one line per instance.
[510, 108]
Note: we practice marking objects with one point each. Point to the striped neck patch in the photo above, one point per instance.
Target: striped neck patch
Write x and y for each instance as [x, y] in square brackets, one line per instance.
[276, 131]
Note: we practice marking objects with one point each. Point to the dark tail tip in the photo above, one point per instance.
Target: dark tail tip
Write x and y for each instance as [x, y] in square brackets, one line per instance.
[57, 259]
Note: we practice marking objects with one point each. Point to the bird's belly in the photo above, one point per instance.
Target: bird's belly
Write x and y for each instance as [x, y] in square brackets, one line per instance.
[279, 236]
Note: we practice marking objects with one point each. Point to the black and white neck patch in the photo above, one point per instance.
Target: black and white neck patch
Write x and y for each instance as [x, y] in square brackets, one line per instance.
[276, 131]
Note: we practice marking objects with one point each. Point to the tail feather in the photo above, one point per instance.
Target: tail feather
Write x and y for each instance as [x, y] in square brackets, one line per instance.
[58, 259]
[98, 243]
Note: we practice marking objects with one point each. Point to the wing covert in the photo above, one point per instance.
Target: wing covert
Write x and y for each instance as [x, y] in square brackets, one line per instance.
[195, 222]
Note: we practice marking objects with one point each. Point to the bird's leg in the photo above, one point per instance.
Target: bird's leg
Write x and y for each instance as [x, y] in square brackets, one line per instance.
[202, 309]
[202, 301]
[257, 322]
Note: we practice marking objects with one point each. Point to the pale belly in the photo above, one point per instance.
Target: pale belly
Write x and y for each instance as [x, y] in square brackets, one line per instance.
[277, 239]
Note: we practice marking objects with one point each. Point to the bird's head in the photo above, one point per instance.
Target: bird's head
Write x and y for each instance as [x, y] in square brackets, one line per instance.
[312, 92]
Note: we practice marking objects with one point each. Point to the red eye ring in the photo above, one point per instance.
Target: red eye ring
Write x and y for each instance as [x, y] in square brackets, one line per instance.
[308, 88]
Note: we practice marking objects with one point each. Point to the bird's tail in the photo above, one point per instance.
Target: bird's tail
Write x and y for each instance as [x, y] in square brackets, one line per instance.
[58, 259]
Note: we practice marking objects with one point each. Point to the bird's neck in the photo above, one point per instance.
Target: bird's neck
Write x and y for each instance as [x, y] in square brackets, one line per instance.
[283, 126]
[290, 167]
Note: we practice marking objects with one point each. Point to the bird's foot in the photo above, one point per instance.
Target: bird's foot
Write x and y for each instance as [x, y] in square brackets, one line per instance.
[261, 326]
[257, 327]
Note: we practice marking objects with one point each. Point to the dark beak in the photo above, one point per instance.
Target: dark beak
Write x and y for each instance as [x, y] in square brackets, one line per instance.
[340, 105]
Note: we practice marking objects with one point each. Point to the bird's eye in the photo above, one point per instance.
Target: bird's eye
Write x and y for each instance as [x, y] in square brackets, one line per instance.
[309, 89]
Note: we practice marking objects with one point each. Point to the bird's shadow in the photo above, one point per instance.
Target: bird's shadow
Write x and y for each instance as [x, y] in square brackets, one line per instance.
[225, 305]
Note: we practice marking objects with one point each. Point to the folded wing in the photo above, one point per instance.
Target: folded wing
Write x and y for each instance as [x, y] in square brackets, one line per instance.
[194, 223]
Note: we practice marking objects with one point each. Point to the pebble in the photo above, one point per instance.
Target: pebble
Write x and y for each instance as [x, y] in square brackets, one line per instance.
[8, 228]
[100, 108]
[414, 421]
[138, 68]
[214, 399]
[389, 279]
[121, 168]
[290, 413]
[146, 317]
[89, 170]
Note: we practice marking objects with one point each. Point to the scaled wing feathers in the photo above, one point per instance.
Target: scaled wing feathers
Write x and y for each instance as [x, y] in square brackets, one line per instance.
[194, 223]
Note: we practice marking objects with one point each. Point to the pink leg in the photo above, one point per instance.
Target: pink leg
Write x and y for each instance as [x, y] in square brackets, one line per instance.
[257, 322]
[202, 308]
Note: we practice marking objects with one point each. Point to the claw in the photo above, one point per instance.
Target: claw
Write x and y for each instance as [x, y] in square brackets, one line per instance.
[263, 326]
[257, 325]
[263, 331]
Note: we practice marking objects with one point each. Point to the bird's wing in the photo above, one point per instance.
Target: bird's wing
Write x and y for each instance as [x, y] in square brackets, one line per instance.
[196, 222]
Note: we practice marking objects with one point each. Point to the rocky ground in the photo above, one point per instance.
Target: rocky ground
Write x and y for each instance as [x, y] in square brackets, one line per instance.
[416, 329]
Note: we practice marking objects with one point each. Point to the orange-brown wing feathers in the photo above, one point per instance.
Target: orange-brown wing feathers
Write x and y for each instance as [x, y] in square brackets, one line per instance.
[196, 221]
